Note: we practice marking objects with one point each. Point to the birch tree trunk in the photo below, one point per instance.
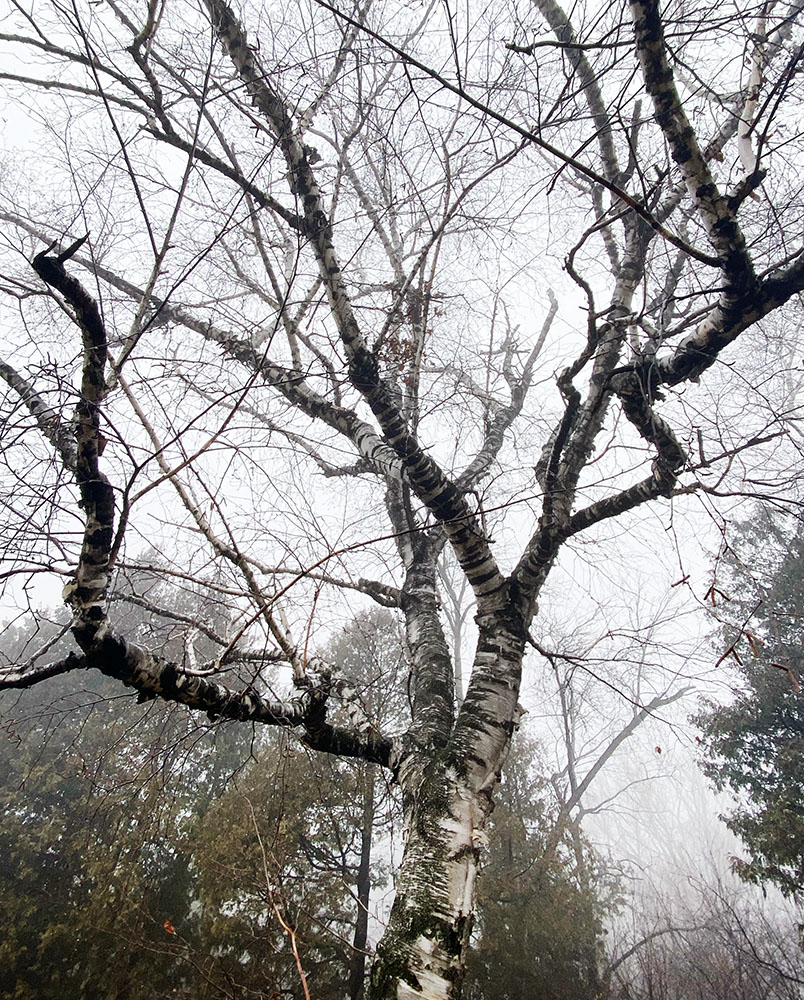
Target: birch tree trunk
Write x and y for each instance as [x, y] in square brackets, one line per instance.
[447, 797]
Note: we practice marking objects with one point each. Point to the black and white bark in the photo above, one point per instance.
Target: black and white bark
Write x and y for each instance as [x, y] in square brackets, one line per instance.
[353, 384]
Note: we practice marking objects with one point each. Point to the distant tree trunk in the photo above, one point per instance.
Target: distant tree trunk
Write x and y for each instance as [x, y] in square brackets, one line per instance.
[357, 965]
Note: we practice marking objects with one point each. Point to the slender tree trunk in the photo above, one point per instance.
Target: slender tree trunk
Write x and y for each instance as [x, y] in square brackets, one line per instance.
[357, 965]
[591, 953]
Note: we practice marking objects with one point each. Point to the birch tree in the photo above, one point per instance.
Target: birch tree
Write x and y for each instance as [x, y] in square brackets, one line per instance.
[255, 249]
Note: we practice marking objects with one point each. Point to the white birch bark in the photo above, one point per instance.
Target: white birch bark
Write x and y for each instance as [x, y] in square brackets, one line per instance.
[449, 760]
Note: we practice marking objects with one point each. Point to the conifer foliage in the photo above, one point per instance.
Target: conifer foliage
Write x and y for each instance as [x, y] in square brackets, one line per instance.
[755, 745]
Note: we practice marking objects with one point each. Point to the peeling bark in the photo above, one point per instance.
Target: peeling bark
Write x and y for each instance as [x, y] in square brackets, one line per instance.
[447, 798]
[449, 760]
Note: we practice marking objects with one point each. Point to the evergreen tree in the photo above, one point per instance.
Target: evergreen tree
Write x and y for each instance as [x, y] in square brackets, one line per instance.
[544, 951]
[96, 876]
[755, 746]
[145, 860]
[276, 857]
[97, 808]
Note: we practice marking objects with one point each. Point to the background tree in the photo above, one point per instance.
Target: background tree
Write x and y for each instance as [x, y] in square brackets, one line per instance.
[314, 848]
[257, 245]
[540, 906]
[708, 939]
[96, 870]
[99, 819]
[754, 746]
[371, 651]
